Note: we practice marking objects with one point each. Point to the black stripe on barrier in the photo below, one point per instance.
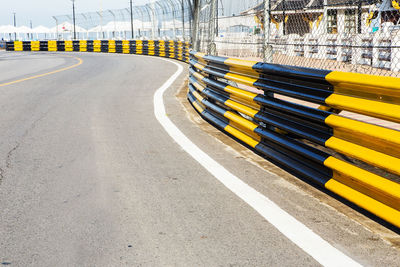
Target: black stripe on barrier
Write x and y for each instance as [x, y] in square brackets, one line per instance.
[293, 166]
[210, 117]
[132, 45]
[104, 46]
[10, 46]
[287, 88]
[44, 46]
[89, 46]
[60, 46]
[300, 74]
[26, 46]
[76, 46]
[118, 46]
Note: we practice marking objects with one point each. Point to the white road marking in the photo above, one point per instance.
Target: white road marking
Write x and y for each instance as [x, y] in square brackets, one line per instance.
[298, 233]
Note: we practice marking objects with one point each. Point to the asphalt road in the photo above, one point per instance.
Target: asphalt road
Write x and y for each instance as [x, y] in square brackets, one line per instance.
[88, 177]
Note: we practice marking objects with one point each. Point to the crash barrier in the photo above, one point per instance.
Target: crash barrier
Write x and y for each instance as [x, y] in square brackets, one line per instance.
[170, 49]
[315, 144]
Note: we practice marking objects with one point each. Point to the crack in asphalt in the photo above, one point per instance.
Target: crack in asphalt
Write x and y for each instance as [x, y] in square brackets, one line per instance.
[9, 155]
[8, 161]
[1, 175]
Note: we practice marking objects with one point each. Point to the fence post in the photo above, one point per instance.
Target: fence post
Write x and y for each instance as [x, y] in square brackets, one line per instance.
[212, 49]
[267, 47]
[56, 27]
[183, 19]
[196, 8]
[190, 16]
[173, 17]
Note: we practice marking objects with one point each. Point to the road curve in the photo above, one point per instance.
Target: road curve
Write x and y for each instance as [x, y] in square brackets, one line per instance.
[88, 177]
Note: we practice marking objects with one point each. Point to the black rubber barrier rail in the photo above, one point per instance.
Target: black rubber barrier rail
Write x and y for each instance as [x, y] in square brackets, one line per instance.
[356, 160]
[170, 49]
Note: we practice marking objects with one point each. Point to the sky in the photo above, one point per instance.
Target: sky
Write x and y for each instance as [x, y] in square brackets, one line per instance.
[41, 11]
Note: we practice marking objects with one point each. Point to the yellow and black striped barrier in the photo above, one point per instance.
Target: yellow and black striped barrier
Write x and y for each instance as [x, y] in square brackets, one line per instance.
[171, 49]
[294, 135]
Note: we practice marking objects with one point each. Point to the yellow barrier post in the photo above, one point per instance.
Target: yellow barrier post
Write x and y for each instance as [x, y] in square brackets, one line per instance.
[52, 46]
[83, 46]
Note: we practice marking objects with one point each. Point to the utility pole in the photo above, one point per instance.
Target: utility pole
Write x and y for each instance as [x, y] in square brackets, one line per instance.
[131, 19]
[73, 17]
[15, 25]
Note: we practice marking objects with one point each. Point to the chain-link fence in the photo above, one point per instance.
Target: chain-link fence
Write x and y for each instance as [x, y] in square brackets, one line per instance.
[231, 28]
[163, 19]
[348, 35]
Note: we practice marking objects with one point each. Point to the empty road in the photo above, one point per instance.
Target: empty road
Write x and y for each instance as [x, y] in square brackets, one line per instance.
[89, 177]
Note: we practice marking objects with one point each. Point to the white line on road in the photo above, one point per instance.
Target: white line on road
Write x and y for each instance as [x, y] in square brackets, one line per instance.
[298, 233]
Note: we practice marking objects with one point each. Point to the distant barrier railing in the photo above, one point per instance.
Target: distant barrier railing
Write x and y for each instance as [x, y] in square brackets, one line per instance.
[171, 49]
[316, 144]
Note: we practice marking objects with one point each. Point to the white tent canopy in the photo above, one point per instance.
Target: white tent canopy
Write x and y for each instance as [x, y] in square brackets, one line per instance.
[66, 27]
[24, 29]
[8, 29]
[172, 23]
[112, 29]
[235, 21]
[12, 29]
[120, 26]
[117, 26]
[41, 29]
[98, 28]
[9, 32]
